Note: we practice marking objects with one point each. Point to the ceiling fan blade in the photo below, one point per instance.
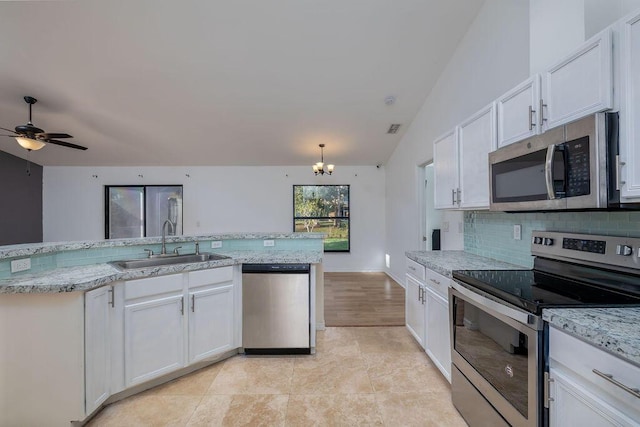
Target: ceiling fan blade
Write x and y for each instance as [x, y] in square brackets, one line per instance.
[46, 135]
[10, 130]
[65, 144]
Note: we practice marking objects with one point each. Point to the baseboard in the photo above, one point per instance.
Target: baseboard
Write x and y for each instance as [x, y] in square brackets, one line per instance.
[320, 326]
[400, 281]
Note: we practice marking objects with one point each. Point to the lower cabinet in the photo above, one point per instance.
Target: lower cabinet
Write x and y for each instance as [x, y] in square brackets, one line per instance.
[153, 338]
[97, 347]
[589, 390]
[414, 309]
[438, 344]
[142, 329]
[211, 313]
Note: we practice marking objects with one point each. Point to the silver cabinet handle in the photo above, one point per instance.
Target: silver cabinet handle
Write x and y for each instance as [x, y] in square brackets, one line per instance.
[419, 293]
[458, 196]
[412, 268]
[453, 196]
[634, 391]
[435, 281]
[548, 171]
[182, 306]
[531, 111]
[193, 303]
[541, 112]
[618, 165]
[112, 300]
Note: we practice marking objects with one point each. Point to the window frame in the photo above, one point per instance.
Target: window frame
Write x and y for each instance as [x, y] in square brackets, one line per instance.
[346, 218]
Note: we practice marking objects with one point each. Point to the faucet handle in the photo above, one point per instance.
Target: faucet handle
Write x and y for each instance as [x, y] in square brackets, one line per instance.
[150, 251]
[197, 248]
[175, 250]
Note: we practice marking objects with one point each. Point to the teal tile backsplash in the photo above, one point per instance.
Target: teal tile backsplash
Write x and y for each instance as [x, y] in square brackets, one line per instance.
[490, 234]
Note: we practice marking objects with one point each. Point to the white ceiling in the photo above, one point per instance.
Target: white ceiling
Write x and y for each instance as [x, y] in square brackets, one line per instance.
[235, 82]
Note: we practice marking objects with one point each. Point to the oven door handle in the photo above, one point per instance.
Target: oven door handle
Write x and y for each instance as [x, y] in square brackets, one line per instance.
[482, 301]
[548, 171]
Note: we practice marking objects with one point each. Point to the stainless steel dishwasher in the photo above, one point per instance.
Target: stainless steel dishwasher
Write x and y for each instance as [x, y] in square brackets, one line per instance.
[275, 309]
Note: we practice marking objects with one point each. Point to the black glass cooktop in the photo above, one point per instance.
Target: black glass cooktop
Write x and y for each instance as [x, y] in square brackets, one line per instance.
[534, 290]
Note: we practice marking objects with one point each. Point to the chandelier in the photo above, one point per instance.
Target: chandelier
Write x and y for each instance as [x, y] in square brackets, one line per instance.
[318, 168]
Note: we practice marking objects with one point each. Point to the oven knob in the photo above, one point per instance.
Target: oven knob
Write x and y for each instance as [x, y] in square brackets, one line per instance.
[623, 250]
[537, 240]
[548, 241]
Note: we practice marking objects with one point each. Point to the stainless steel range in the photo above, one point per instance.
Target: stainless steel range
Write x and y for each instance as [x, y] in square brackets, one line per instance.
[498, 337]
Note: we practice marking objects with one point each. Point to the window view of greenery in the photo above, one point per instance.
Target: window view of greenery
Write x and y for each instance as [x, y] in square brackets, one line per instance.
[323, 209]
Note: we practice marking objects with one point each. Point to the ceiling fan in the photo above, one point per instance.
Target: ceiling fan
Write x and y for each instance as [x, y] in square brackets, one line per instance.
[33, 138]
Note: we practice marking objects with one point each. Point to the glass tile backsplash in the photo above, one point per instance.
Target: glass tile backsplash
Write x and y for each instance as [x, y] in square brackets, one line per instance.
[490, 234]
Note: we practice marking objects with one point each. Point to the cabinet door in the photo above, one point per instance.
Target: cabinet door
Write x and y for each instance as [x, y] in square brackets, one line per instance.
[517, 112]
[414, 304]
[574, 405]
[445, 162]
[476, 139]
[97, 347]
[438, 344]
[211, 318]
[630, 109]
[579, 85]
[154, 338]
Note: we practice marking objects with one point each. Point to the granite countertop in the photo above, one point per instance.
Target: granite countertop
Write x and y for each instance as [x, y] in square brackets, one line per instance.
[87, 277]
[28, 249]
[444, 262]
[615, 330]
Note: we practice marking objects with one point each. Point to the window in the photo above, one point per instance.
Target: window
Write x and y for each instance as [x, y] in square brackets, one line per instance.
[142, 210]
[323, 209]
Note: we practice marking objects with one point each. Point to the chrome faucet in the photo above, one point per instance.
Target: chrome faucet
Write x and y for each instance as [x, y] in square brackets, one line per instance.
[163, 251]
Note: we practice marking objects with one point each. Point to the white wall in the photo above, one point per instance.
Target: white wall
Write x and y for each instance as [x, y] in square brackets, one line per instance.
[221, 199]
[492, 57]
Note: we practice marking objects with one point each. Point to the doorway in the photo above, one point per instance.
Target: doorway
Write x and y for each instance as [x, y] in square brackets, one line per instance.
[431, 219]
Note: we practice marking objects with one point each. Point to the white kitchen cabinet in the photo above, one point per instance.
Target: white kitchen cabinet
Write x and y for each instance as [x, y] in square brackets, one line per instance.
[414, 300]
[97, 335]
[476, 139]
[212, 316]
[629, 92]
[518, 112]
[438, 342]
[154, 328]
[445, 163]
[579, 396]
[461, 162]
[580, 84]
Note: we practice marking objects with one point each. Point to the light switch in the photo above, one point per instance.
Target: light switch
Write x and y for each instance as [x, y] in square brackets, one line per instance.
[517, 232]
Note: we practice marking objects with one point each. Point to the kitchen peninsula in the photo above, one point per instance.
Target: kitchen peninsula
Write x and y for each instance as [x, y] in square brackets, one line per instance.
[66, 349]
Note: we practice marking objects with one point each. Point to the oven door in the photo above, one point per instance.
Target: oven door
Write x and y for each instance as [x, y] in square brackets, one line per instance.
[496, 349]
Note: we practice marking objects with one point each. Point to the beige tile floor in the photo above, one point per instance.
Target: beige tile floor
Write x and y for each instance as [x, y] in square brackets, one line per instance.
[367, 376]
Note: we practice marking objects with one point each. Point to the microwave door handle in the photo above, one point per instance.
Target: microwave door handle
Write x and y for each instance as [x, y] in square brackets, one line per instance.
[548, 171]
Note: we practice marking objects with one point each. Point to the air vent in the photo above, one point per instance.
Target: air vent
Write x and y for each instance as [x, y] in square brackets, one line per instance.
[394, 128]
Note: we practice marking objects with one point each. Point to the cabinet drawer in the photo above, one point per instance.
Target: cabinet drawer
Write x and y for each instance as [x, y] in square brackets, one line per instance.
[438, 283]
[582, 358]
[210, 277]
[416, 270]
[152, 286]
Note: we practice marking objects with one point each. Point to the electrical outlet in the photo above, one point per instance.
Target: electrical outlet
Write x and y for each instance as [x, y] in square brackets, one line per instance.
[20, 265]
[517, 232]
[216, 244]
[269, 242]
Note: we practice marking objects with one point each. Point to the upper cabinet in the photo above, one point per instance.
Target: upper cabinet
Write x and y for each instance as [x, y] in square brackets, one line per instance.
[445, 160]
[579, 85]
[517, 112]
[629, 164]
[462, 162]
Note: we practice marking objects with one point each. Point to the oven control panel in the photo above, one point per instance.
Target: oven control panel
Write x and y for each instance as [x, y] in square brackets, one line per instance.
[588, 248]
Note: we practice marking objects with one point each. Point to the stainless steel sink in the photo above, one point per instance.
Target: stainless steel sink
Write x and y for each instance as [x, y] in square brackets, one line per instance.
[167, 260]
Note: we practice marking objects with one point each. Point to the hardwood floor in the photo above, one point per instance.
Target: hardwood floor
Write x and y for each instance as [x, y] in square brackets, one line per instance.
[362, 299]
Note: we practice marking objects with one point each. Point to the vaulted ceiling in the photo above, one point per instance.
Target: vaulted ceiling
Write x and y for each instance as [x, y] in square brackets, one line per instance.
[234, 82]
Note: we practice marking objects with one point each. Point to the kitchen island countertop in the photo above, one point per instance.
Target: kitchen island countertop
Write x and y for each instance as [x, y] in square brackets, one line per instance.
[614, 330]
[87, 277]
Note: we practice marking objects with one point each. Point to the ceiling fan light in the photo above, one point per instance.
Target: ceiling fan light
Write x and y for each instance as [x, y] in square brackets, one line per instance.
[30, 144]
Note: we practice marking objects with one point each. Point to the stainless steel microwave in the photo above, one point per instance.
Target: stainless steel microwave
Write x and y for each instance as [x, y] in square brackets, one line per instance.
[571, 167]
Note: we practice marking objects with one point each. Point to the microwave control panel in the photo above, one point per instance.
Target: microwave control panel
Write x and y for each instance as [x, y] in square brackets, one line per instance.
[578, 167]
